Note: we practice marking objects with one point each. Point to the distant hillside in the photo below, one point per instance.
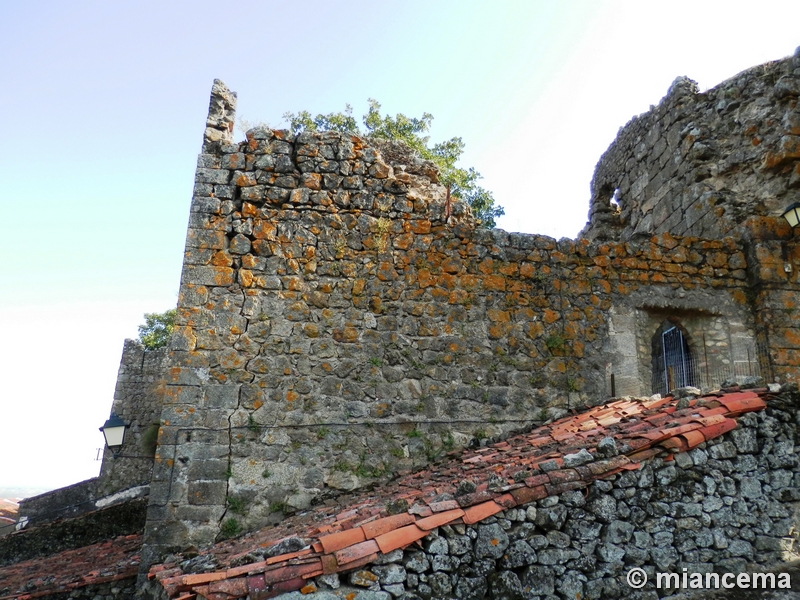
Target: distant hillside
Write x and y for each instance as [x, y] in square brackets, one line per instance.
[18, 492]
[8, 515]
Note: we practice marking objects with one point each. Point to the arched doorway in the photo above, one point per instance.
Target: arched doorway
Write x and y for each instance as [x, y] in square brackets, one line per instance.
[673, 365]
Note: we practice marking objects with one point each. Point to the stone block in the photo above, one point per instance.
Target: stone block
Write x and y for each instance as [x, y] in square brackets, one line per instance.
[208, 275]
[206, 469]
[222, 396]
[538, 581]
[492, 541]
[207, 492]
[723, 450]
[204, 175]
[750, 487]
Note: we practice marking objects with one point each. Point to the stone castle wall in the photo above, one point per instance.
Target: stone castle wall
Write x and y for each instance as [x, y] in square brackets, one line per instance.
[703, 164]
[338, 320]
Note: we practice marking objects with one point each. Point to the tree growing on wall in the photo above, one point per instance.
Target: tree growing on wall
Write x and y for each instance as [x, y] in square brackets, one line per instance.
[462, 182]
[156, 329]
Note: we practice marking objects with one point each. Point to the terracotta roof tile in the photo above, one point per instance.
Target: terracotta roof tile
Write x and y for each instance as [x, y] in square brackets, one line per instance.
[676, 444]
[479, 512]
[527, 494]
[289, 556]
[198, 578]
[474, 498]
[742, 403]
[291, 571]
[506, 501]
[381, 526]
[230, 587]
[342, 539]
[400, 538]
[716, 430]
[443, 505]
[420, 510]
[286, 586]
[694, 438]
[563, 476]
[439, 519]
[643, 455]
[111, 560]
[356, 551]
[329, 564]
[256, 585]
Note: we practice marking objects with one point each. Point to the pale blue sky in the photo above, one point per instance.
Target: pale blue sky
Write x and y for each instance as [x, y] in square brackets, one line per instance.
[104, 108]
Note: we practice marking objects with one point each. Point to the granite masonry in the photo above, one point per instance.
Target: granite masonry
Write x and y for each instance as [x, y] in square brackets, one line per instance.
[341, 321]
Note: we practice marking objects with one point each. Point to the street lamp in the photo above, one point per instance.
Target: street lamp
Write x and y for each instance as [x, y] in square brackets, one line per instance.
[792, 214]
[114, 432]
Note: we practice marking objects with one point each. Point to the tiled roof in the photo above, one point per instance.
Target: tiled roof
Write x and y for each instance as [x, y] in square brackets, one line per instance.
[111, 560]
[472, 485]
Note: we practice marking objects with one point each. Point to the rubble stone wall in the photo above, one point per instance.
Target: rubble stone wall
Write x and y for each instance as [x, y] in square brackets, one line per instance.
[339, 319]
[731, 505]
[703, 164]
[61, 503]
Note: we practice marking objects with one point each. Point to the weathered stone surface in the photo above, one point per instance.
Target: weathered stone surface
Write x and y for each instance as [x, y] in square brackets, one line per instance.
[518, 554]
[552, 517]
[538, 581]
[505, 585]
[577, 459]
[323, 276]
[618, 532]
[604, 508]
[471, 588]
[491, 542]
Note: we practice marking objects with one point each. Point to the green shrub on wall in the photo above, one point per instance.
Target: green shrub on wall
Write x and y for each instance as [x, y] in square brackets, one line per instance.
[412, 131]
[156, 329]
[150, 439]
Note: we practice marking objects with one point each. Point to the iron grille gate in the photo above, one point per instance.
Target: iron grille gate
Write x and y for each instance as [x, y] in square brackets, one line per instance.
[674, 370]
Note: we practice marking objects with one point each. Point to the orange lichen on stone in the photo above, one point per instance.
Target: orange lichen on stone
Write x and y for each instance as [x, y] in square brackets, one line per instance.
[550, 316]
[425, 278]
[494, 282]
[496, 315]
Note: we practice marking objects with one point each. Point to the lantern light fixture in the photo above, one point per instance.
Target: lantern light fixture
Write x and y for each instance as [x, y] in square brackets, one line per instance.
[792, 214]
[114, 432]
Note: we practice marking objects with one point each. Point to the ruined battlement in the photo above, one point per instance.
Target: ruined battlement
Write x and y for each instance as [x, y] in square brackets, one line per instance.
[710, 164]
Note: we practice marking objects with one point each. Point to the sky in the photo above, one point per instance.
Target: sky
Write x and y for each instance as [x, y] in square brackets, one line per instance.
[104, 107]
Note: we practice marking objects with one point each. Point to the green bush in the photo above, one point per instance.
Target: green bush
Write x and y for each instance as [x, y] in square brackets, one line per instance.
[555, 342]
[230, 528]
[461, 181]
[236, 504]
[157, 328]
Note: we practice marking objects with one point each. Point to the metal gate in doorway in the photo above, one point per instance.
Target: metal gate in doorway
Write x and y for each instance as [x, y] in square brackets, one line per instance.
[674, 367]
